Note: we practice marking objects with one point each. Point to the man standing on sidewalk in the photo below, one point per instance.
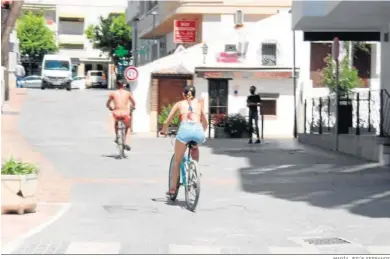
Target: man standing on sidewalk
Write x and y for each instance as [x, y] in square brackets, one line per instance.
[253, 101]
[19, 73]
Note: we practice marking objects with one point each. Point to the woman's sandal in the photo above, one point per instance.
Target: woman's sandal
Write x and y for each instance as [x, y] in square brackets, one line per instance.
[171, 192]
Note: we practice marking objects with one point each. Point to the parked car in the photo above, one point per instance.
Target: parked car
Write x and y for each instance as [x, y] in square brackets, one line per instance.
[96, 78]
[31, 82]
[56, 72]
[78, 82]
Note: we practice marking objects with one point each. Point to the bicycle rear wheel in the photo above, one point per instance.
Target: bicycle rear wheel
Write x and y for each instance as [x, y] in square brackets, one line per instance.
[174, 196]
[121, 139]
[193, 184]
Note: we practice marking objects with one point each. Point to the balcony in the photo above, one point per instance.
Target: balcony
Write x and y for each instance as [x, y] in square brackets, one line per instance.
[340, 15]
[167, 11]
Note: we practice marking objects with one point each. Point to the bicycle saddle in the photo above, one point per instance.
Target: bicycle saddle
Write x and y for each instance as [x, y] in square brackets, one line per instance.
[191, 144]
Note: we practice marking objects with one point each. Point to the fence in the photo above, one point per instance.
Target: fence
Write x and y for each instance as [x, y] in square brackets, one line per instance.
[385, 113]
[359, 113]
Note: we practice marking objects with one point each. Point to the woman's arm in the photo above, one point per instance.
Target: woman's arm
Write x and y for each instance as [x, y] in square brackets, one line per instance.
[175, 108]
[203, 118]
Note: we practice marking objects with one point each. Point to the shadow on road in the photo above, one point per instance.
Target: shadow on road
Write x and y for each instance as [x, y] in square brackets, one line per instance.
[294, 172]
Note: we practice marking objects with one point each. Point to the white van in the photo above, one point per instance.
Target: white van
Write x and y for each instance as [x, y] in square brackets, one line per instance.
[56, 72]
[96, 78]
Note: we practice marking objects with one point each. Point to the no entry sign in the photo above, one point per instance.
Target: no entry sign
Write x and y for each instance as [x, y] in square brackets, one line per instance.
[131, 73]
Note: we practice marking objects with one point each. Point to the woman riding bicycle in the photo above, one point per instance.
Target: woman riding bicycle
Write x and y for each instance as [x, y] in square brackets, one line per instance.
[192, 127]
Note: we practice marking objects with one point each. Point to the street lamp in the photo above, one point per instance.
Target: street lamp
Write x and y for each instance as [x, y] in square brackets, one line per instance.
[154, 13]
[205, 49]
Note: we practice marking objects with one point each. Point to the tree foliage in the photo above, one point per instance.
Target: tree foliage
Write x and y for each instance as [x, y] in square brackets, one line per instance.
[35, 38]
[111, 32]
[348, 76]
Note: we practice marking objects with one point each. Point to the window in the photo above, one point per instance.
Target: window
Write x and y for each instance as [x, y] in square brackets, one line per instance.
[72, 46]
[99, 67]
[268, 54]
[230, 48]
[87, 68]
[218, 96]
[56, 65]
[96, 74]
[150, 5]
[268, 107]
[73, 26]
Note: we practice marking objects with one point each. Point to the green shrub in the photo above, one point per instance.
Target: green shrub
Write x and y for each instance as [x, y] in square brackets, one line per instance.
[14, 167]
[236, 125]
[164, 115]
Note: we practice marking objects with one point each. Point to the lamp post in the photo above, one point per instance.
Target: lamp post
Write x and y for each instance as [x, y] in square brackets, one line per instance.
[205, 49]
[154, 13]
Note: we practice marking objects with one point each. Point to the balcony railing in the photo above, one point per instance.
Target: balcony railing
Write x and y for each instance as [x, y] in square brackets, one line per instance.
[384, 113]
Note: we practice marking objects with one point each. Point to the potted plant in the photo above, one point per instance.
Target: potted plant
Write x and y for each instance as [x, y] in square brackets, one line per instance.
[19, 183]
[174, 125]
[219, 122]
[236, 125]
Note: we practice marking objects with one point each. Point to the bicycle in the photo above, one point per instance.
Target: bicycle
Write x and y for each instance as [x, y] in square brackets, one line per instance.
[188, 176]
[121, 136]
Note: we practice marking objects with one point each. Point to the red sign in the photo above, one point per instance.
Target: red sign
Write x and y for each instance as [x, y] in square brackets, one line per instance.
[184, 31]
[226, 57]
[131, 73]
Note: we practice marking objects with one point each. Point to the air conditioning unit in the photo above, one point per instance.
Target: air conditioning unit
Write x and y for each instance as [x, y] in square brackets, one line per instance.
[239, 18]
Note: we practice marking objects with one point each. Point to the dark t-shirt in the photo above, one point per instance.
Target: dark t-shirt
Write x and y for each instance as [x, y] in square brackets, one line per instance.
[255, 98]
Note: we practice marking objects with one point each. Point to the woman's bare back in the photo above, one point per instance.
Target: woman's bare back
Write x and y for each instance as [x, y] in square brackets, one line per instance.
[195, 114]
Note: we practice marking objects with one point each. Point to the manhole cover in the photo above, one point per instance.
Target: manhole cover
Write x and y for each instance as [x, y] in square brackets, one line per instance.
[326, 241]
[129, 208]
[10, 113]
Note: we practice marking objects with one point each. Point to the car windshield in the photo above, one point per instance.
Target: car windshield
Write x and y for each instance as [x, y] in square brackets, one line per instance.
[96, 73]
[56, 65]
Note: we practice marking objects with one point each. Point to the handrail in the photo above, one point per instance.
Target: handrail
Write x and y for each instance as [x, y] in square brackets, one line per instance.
[384, 113]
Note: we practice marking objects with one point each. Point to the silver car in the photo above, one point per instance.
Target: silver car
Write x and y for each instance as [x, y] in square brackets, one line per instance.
[31, 82]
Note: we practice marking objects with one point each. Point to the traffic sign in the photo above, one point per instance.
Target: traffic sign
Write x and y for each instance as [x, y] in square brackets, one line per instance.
[131, 73]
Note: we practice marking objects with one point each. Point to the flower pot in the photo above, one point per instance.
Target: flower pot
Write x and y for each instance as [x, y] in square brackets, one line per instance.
[219, 132]
[18, 193]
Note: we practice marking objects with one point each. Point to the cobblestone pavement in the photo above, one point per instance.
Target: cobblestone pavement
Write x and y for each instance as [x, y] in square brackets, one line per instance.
[277, 197]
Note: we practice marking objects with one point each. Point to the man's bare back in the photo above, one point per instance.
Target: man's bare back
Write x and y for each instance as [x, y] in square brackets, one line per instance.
[122, 99]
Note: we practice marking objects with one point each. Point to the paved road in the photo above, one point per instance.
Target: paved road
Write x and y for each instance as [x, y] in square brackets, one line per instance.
[254, 199]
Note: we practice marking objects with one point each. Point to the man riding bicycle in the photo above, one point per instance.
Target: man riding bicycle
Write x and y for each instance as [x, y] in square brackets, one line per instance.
[123, 103]
[192, 127]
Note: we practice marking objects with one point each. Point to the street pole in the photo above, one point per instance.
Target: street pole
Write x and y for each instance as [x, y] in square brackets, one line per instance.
[135, 41]
[295, 89]
[337, 103]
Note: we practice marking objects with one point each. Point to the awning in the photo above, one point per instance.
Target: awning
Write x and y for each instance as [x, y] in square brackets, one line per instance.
[260, 73]
[176, 70]
[71, 15]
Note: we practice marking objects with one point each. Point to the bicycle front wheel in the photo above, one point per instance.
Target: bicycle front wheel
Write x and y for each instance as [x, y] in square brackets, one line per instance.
[192, 188]
[174, 196]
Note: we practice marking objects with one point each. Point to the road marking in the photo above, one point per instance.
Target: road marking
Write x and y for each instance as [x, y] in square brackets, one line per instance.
[93, 248]
[186, 249]
[9, 248]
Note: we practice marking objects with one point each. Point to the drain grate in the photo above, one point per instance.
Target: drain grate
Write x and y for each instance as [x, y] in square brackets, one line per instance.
[10, 113]
[326, 241]
[50, 247]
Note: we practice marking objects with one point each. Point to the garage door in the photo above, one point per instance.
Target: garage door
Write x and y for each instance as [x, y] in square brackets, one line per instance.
[169, 91]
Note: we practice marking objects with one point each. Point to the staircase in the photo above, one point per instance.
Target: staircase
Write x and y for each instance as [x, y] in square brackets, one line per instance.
[385, 126]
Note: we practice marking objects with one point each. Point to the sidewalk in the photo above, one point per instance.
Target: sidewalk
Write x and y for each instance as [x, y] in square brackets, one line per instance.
[53, 189]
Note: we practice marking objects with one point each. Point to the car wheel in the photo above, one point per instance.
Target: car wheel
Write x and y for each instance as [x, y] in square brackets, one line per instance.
[43, 87]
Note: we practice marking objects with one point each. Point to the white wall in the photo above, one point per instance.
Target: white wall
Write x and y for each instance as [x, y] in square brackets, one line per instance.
[279, 125]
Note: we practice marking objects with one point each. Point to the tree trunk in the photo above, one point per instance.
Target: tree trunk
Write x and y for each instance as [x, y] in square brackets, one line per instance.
[8, 19]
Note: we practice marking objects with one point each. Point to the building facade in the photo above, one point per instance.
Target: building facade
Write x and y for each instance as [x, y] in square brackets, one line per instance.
[260, 54]
[370, 22]
[153, 22]
[68, 19]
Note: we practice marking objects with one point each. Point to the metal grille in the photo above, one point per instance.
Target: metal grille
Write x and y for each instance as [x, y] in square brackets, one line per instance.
[268, 52]
[326, 241]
